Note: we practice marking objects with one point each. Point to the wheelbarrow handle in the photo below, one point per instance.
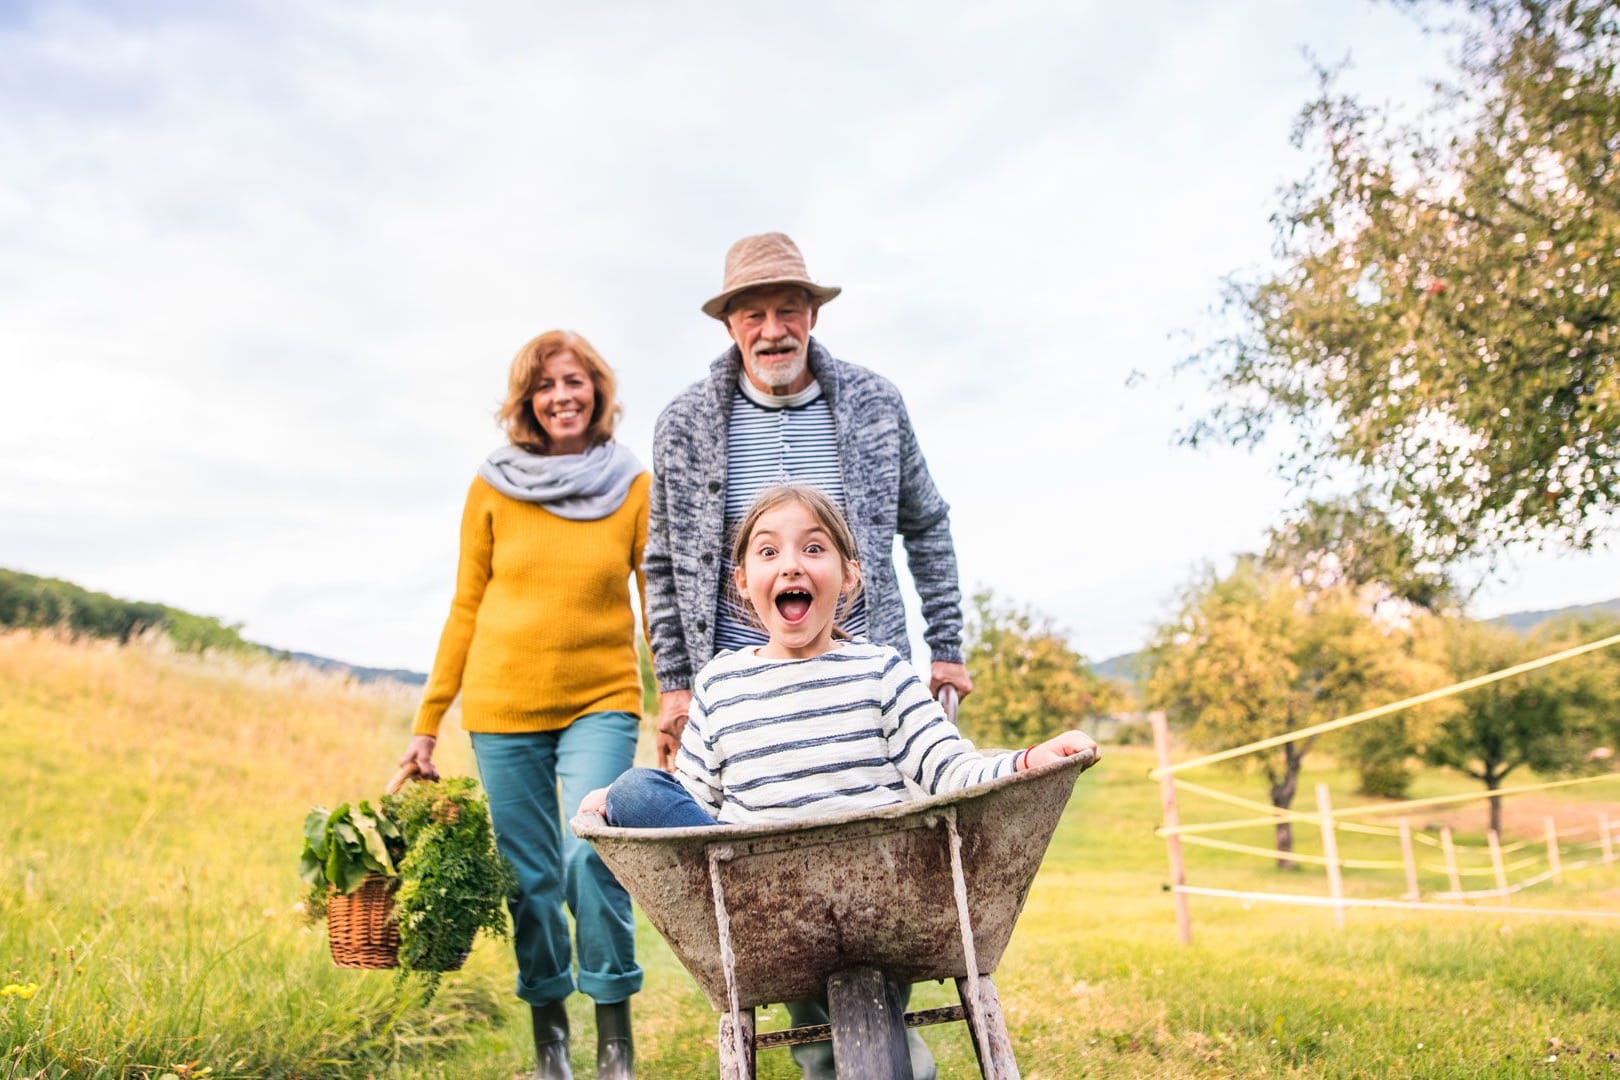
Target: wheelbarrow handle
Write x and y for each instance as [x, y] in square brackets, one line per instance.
[948, 700]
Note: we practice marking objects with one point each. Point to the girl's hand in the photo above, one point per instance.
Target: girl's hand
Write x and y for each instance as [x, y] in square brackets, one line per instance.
[595, 802]
[1059, 747]
[420, 754]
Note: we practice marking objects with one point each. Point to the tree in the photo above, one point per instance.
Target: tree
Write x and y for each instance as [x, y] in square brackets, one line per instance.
[1597, 675]
[1353, 539]
[1028, 683]
[1351, 542]
[1443, 316]
[1254, 655]
[1547, 721]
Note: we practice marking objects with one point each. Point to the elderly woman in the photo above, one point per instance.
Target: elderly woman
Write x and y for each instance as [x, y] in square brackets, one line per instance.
[540, 644]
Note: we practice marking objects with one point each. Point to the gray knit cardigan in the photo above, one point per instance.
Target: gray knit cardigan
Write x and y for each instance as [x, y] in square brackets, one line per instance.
[887, 490]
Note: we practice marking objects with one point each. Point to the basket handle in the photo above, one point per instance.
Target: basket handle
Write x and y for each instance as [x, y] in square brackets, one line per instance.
[405, 773]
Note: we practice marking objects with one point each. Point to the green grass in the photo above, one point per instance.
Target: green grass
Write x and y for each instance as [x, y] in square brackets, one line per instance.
[148, 859]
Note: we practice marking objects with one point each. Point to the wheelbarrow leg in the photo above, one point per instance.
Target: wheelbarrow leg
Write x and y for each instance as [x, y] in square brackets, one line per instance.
[868, 1028]
[737, 1046]
[1002, 1065]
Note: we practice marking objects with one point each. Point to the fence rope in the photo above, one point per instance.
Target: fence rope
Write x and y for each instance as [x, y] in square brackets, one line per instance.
[1476, 871]
[1284, 815]
[1357, 864]
[1332, 820]
[1525, 883]
[1295, 856]
[1439, 800]
[1413, 905]
[1312, 817]
[1385, 710]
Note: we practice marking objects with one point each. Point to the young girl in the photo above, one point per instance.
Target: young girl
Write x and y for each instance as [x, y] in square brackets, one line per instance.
[810, 723]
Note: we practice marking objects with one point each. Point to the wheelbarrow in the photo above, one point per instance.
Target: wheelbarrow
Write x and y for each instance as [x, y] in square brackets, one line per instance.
[852, 906]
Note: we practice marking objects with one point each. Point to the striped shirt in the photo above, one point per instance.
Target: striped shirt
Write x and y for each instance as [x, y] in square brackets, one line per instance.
[851, 729]
[774, 440]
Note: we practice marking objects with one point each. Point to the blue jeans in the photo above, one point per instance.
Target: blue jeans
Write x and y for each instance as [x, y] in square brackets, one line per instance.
[652, 799]
[521, 772]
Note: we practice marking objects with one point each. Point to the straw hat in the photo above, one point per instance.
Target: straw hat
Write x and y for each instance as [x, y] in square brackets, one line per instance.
[767, 259]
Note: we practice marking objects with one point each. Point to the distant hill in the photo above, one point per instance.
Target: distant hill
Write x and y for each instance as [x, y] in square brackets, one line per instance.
[30, 601]
[354, 671]
[1526, 621]
[1123, 666]
[27, 600]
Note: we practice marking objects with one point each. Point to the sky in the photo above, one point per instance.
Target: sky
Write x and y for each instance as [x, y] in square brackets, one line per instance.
[263, 267]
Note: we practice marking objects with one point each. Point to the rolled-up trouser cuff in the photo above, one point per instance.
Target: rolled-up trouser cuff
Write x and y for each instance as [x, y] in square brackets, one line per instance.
[545, 991]
[605, 989]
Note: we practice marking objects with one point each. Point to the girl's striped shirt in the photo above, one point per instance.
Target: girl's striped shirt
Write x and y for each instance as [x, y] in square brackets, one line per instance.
[851, 729]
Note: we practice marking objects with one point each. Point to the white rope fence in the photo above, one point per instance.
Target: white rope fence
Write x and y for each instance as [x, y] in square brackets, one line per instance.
[1456, 858]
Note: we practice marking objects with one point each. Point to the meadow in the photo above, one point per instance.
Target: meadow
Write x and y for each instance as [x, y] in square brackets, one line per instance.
[149, 922]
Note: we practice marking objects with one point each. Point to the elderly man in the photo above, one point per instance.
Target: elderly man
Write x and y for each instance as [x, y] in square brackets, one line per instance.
[775, 407]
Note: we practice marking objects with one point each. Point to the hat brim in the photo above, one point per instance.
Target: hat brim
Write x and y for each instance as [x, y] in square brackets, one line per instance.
[716, 307]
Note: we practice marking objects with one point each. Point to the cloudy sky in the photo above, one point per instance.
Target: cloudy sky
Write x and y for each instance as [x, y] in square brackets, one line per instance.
[262, 268]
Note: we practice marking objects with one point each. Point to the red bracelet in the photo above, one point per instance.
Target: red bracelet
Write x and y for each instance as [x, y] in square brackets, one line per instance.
[1026, 759]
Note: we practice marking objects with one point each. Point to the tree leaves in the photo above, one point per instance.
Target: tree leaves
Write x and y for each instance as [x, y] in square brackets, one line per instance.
[1028, 683]
[1443, 320]
[1256, 654]
[1549, 721]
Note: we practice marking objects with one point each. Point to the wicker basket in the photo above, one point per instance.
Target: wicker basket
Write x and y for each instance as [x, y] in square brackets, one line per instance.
[361, 927]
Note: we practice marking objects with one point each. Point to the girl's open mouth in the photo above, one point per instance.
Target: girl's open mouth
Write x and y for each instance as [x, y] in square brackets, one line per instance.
[793, 604]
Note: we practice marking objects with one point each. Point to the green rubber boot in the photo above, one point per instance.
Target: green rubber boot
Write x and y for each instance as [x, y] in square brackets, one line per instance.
[551, 1041]
[615, 1047]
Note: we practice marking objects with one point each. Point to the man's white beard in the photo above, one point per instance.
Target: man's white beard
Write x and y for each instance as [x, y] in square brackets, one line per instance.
[783, 372]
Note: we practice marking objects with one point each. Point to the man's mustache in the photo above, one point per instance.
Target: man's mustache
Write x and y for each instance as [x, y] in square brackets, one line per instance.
[785, 344]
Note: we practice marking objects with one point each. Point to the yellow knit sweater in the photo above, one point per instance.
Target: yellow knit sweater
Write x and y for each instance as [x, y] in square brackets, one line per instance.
[541, 630]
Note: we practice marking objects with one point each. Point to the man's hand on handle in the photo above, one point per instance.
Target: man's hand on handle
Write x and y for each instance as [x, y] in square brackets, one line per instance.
[941, 674]
[673, 705]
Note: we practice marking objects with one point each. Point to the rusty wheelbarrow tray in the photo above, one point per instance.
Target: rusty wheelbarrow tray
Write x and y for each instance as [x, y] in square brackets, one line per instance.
[922, 890]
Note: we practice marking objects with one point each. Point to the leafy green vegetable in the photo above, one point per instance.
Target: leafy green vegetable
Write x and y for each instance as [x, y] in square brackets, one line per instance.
[342, 846]
[436, 839]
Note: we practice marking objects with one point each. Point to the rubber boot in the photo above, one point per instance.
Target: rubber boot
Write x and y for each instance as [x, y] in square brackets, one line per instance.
[815, 1060]
[615, 1048]
[551, 1041]
[922, 1058]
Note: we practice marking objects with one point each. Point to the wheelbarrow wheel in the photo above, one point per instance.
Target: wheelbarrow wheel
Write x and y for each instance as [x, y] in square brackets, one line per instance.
[868, 1026]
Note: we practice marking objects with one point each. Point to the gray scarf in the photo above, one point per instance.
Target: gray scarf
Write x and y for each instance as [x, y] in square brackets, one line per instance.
[580, 487]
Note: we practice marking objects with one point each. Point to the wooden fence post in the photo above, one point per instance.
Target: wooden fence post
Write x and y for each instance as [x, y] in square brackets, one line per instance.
[1330, 848]
[1450, 850]
[1172, 820]
[1410, 860]
[1496, 864]
[1553, 861]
